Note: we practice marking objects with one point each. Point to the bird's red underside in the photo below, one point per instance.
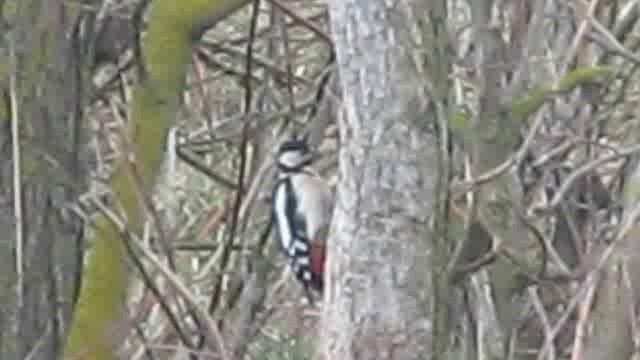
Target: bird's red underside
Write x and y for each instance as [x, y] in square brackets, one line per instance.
[317, 259]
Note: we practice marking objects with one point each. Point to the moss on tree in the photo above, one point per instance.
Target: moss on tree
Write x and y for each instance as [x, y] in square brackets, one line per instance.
[173, 25]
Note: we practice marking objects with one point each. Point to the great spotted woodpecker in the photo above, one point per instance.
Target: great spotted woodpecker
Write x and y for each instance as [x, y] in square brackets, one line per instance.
[302, 208]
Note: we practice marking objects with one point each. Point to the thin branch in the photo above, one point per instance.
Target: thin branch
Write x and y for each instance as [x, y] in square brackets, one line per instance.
[304, 22]
[210, 325]
[278, 73]
[575, 300]
[583, 321]
[580, 34]
[608, 41]
[544, 319]
[214, 219]
[506, 165]
[188, 156]
[586, 169]
[212, 334]
[17, 181]
[146, 277]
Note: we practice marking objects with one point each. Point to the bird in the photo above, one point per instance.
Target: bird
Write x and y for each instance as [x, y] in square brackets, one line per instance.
[302, 206]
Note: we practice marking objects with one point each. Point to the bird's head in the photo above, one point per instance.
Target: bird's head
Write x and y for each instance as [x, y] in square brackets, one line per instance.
[294, 154]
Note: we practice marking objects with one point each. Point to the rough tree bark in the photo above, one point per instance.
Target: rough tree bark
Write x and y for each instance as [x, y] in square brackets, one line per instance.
[380, 293]
[40, 92]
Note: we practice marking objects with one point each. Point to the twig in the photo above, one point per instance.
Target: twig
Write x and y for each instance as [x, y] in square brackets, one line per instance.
[212, 334]
[583, 320]
[177, 349]
[210, 325]
[35, 350]
[120, 223]
[506, 165]
[581, 291]
[609, 42]
[215, 218]
[190, 158]
[544, 319]
[17, 180]
[582, 30]
[268, 65]
[243, 146]
[587, 168]
[304, 22]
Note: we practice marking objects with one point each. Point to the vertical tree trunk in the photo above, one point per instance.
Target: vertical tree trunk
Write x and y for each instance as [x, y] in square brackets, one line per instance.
[379, 300]
[42, 98]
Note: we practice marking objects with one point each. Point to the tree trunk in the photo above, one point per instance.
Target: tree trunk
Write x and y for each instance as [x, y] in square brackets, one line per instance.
[40, 258]
[380, 294]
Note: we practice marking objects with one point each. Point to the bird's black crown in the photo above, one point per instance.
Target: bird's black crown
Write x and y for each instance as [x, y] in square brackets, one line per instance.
[295, 144]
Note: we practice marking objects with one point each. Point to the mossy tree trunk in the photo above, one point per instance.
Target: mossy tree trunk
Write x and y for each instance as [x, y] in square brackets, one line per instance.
[172, 28]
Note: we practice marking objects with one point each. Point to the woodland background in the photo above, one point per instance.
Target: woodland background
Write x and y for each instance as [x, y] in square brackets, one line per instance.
[484, 155]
